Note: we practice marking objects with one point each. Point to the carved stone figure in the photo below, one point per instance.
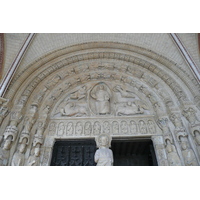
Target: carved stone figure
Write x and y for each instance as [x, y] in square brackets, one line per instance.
[38, 98]
[79, 94]
[79, 128]
[115, 128]
[124, 93]
[61, 129]
[102, 97]
[70, 128]
[133, 127]
[72, 109]
[97, 128]
[34, 158]
[142, 126]
[106, 127]
[188, 154]
[88, 128]
[151, 126]
[52, 128]
[130, 108]
[196, 135]
[103, 156]
[173, 157]
[124, 127]
[19, 157]
[163, 124]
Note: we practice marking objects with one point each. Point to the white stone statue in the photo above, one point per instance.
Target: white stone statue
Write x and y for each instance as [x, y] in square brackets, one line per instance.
[5, 151]
[173, 157]
[188, 154]
[102, 97]
[19, 156]
[103, 156]
[34, 159]
[197, 139]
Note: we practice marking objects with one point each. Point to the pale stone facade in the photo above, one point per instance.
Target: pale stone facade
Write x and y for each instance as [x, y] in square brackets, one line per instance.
[78, 86]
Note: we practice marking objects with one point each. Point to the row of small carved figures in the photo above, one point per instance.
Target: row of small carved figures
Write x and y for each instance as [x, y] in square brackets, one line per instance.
[87, 128]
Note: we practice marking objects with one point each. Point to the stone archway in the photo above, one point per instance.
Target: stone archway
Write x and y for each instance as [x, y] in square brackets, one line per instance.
[141, 89]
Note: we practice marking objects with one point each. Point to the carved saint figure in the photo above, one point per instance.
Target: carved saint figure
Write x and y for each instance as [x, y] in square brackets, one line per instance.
[106, 127]
[79, 128]
[115, 127]
[142, 126]
[151, 126]
[97, 128]
[173, 157]
[61, 129]
[188, 153]
[88, 128]
[124, 127]
[34, 159]
[133, 127]
[19, 157]
[197, 139]
[71, 109]
[4, 152]
[102, 97]
[103, 156]
[70, 128]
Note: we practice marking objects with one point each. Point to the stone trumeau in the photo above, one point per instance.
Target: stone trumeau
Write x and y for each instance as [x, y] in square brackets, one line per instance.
[98, 99]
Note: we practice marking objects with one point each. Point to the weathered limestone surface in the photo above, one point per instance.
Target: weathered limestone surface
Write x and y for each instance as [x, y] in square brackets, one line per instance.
[121, 91]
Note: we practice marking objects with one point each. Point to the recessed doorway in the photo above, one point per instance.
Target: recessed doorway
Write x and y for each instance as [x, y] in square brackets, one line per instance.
[125, 152]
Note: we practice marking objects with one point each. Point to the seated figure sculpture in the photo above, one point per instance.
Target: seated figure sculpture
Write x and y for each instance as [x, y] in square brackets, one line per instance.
[103, 156]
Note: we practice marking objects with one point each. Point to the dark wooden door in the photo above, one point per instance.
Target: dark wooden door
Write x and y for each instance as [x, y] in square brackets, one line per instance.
[74, 153]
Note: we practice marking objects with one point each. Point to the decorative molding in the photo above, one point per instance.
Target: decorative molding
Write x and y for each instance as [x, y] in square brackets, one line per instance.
[1, 53]
[187, 56]
[8, 77]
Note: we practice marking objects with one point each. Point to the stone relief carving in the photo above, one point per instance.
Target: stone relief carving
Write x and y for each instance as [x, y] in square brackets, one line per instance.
[101, 95]
[70, 128]
[115, 128]
[103, 156]
[51, 83]
[78, 128]
[129, 108]
[142, 126]
[88, 128]
[52, 128]
[97, 128]
[124, 93]
[61, 129]
[188, 154]
[124, 127]
[133, 127]
[151, 127]
[34, 158]
[72, 109]
[106, 127]
[173, 158]
[3, 109]
[196, 135]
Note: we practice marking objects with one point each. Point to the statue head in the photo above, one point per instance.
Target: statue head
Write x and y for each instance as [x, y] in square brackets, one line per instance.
[22, 148]
[37, 150]
[103, 140]
[7, 143]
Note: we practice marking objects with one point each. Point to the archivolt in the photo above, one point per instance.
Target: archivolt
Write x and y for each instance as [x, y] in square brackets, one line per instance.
[176, 79]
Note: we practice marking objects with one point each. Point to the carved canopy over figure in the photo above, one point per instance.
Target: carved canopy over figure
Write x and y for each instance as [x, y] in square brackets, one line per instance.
[103, 156]
[102, 97]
